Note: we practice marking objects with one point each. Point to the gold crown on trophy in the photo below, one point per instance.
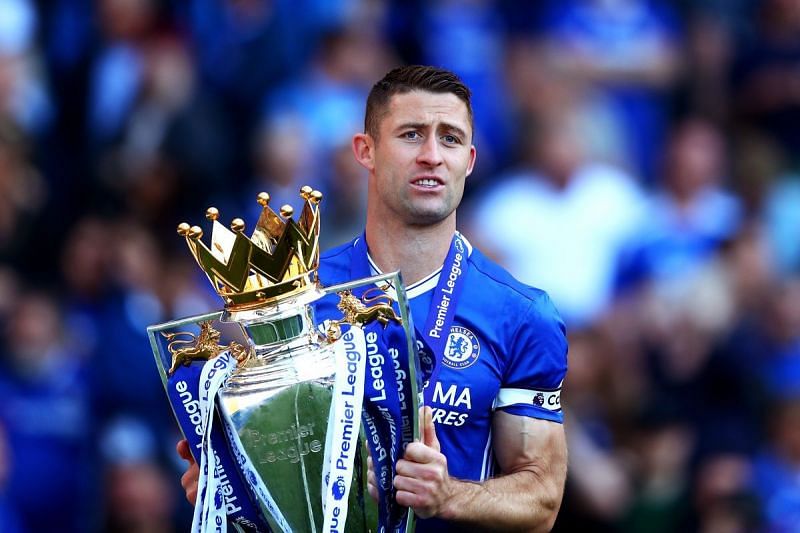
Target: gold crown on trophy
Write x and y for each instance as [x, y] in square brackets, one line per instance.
[278, 261]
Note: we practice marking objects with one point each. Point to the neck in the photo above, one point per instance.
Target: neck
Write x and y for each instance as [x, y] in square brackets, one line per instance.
[415, 251]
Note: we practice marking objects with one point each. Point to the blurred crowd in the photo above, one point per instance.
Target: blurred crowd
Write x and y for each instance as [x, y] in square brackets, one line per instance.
[638, 159]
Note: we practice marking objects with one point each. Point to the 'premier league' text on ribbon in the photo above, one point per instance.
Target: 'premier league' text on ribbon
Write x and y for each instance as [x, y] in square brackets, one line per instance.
[183, 389]
[446, 288]
[353, 356]
[348, 394]
[376, 361]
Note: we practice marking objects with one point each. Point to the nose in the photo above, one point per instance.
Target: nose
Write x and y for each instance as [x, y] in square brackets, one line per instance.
[430, 152]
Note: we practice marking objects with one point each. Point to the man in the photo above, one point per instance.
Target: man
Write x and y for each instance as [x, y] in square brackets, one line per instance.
[495, 403]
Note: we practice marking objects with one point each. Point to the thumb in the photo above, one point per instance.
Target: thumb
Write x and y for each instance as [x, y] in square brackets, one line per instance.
[429, 437]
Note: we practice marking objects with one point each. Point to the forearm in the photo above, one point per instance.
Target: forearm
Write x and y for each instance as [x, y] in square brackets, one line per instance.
[522, 501]
[531, 453]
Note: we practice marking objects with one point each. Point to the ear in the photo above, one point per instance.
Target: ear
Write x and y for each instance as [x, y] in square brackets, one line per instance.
[364, 150]
[473, 153]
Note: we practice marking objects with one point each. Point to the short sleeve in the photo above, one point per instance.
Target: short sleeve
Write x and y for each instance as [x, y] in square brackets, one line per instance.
[536, 364]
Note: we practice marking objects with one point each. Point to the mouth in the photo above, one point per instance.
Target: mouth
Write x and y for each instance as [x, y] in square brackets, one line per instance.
[427, 182]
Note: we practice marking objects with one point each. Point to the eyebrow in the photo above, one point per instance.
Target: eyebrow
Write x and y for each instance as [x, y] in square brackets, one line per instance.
[446, 126]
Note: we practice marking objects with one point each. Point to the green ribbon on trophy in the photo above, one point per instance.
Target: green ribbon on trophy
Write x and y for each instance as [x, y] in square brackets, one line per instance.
[281, 416]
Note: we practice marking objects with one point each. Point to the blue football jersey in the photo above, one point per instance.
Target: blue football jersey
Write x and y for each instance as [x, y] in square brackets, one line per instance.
[506, 350]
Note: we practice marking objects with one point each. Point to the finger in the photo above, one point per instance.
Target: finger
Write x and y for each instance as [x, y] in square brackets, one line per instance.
[410, 499]
[184, 452]
[433, 472]
[371, 479]
[411, 485]
[418, 452]
[405, 498]
[373, 491]
[372, 486]
[189, 482]
[429, 434]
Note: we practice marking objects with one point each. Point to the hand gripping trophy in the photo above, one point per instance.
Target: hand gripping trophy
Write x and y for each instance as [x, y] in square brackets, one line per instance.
[282, 414]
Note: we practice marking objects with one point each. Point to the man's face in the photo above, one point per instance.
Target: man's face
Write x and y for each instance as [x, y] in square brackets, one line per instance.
[421, 158]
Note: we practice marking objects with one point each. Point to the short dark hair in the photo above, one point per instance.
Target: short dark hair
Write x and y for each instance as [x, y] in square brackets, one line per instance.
[402, 80]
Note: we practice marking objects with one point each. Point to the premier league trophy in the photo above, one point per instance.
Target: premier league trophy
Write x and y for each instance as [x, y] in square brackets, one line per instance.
[281, 411]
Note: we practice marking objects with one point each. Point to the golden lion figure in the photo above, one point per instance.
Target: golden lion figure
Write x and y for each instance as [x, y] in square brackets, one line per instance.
[201, 347]
[357, 313]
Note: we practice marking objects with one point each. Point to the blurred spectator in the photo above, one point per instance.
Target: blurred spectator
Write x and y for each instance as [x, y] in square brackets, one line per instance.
[767, 74]
[8, 516]
[782, 370]
[345, 209]
[782, 221]
[599, 485]
[692, 215]
[662, 447]
[24, 96]
[175, 149]
[116, 75]
[22, 195]
[47, 418]
[147, 289]
[629, 49]
[280, 163]
[559, 213]
[137, 491]
[247, 48]
[86, 273]
[777, 469]
[540, 89]
[161, 141]
[724, 499]
[329, 99]
[690, 367]
[710, 53]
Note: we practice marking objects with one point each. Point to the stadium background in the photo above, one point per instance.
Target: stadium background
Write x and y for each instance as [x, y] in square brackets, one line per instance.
[637, 159]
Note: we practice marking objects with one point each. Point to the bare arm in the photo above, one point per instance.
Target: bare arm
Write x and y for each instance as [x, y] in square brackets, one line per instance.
[532, 455]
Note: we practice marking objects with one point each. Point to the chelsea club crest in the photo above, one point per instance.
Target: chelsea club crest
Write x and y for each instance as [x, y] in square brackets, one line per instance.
[462, 348]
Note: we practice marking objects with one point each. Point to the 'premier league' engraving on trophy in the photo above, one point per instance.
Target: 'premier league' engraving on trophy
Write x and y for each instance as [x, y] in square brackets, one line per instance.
[276, 401]
[288, 445]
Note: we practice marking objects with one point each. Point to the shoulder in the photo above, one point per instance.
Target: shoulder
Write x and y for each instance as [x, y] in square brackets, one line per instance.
[337, 253]
[334, 268]
[522, 317]
[334, 264]
[499, 285]
[528, 335]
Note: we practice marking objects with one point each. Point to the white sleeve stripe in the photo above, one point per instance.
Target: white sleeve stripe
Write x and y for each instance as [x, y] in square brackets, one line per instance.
[487, 458]
[546, 399]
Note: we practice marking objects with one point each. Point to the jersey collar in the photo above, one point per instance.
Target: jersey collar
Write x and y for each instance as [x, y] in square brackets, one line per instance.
[420, 287]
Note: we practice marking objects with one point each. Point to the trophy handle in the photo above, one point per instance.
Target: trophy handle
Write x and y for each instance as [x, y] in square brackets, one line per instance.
[357, 313]
[189, 347]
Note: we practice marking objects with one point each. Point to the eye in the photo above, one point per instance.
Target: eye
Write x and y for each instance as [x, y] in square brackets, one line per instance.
[412, 135]
[451, 139]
